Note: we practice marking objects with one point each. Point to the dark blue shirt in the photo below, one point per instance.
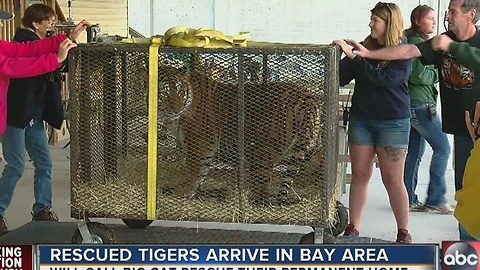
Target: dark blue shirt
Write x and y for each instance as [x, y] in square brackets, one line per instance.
[381, 91]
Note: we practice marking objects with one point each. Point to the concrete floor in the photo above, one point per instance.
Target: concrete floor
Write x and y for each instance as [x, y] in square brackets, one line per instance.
[377, 222]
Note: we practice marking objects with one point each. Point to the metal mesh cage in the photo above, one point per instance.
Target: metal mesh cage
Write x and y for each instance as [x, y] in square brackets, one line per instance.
[243, 135]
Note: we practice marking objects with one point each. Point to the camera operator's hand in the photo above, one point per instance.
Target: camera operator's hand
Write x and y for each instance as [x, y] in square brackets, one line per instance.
[63, 49]
[79, 28]
[473, 127]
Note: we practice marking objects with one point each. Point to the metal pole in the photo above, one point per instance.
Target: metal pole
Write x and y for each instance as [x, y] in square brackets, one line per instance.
[152, 25]
[70, 10]
[241, 122]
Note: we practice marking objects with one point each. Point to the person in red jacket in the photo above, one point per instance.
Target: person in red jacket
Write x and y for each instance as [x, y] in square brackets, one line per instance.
[29, 59]
[20, 60]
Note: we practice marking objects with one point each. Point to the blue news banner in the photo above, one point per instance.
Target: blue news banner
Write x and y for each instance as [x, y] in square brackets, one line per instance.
[317, 257]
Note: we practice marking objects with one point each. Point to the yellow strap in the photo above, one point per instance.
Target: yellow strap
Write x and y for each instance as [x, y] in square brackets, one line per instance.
[208, 38]
[152, 129]
[181, 36]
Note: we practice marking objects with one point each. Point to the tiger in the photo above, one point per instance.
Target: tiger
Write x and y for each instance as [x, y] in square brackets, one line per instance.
[280, 118]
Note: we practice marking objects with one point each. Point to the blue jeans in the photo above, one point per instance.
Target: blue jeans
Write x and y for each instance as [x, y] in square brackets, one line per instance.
[423, 129]
[463, 145]
[33, 138]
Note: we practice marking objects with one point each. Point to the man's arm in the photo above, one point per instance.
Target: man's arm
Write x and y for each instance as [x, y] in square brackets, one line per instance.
[466, 55]
[399, 52]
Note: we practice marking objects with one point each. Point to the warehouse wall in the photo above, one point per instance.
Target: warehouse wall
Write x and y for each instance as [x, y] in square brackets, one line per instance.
[269, 20]
[110, 14]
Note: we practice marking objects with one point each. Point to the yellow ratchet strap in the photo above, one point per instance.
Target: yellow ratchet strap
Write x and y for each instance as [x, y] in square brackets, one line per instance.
[180, 36]
[152, 129]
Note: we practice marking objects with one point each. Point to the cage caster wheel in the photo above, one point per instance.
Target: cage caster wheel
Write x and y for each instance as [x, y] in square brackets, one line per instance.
[309, 239]
[329, 239]
[99, 232]
[340, 222]
[137, 223]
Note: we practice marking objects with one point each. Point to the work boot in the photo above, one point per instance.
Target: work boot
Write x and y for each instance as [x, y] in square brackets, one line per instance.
[403, 236]
[45, 214]
[3, 226]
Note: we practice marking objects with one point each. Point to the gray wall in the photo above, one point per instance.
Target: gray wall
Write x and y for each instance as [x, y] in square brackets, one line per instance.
[314, 21]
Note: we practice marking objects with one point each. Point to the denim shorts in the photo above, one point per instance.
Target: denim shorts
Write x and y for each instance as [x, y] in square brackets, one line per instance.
[379, 133]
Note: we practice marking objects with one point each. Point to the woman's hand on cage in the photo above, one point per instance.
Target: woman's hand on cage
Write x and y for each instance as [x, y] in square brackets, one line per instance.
[63, 49]
[345, 48]
[79, 28]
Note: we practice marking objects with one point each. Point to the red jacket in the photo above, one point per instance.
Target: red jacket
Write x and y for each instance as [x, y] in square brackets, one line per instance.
[20, 60]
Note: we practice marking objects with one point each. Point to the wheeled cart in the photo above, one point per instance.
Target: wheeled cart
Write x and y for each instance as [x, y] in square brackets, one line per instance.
[240, 135]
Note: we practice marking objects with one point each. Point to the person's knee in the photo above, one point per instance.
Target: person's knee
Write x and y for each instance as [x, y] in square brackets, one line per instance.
[361, 176]
[392, 177]
[15, 168]
[42, 162]
[15, 162]
[393, 183]
[443, 150]
[44, 165]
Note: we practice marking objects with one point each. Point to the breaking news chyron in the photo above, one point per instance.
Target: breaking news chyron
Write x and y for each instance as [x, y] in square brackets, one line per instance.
[16, 257]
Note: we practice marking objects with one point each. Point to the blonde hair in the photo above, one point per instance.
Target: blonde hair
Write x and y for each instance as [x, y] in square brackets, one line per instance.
[391, 14]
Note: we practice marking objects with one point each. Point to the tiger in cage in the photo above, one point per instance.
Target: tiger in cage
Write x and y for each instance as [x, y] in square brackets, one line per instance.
[281, 124]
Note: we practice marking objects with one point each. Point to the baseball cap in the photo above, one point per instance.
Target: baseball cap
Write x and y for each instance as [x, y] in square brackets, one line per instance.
[6, 15]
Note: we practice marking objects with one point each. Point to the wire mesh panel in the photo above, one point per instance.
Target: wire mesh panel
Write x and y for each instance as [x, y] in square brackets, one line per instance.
[243, 135]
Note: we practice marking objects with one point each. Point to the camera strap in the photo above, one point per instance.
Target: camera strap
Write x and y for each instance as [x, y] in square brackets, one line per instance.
[346, 109]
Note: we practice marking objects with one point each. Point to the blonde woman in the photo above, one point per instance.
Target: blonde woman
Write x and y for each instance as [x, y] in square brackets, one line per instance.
[379, 119]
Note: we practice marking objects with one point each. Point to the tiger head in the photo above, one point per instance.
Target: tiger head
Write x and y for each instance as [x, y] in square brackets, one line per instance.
[174, 92]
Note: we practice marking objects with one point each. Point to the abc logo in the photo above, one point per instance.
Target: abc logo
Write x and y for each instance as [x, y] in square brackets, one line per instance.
[460, 256]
